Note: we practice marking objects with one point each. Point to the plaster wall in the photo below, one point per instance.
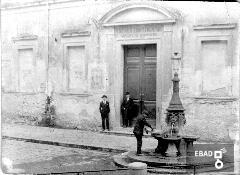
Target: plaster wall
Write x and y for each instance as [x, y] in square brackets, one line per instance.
[210, 112]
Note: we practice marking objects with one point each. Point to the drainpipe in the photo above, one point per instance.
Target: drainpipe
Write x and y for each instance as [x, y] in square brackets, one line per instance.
[47, 69]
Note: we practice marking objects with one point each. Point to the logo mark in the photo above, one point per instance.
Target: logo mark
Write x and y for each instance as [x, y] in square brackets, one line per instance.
[218, 155]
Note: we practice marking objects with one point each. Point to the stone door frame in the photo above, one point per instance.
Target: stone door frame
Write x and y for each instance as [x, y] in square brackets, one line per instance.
[168, 23]
[120, 56]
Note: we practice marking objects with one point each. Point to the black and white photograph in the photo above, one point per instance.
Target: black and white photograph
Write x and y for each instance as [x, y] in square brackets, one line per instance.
[120, 87]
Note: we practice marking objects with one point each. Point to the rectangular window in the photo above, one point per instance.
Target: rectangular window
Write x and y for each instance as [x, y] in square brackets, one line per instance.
[215, 78]
[26, 70]
[76, 68]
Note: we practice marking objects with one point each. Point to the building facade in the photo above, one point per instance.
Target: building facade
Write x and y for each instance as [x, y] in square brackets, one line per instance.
[80, 50]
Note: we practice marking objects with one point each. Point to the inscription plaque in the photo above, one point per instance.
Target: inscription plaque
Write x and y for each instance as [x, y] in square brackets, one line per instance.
[144, 31]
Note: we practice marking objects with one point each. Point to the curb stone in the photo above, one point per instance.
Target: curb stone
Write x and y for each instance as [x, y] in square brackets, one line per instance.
[69, 145]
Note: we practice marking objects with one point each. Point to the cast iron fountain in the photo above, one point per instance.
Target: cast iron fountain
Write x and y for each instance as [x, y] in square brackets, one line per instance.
[172, 142]
[175, 150]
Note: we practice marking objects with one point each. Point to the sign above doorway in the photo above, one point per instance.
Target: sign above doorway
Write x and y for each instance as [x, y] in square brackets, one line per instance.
[143, 31]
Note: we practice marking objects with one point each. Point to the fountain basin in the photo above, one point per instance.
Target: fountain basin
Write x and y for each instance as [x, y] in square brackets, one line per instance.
[175, 145]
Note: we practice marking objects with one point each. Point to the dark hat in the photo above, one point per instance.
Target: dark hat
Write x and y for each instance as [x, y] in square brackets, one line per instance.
[127, 93]
[145, 112]
[104, 96]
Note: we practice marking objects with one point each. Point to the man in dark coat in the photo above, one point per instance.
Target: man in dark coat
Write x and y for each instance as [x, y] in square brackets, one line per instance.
[138, 129]
[127, 110]
[104, 110]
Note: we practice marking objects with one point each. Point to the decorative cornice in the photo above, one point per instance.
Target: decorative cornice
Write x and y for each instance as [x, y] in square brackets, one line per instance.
[25, 37]
[203, 99]
[141, 22]
[215, 26]
[18, 5]
[75, 34]
[75, 94]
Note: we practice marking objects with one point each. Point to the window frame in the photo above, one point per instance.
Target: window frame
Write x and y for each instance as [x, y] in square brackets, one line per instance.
[22, 44]
[211, 38]
[66, 62]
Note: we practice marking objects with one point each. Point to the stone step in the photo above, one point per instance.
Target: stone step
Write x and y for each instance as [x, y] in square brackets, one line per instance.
[124, 133]
[170, 171]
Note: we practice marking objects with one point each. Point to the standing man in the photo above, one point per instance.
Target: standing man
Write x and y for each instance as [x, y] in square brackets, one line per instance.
[127, 110]
[104, 110]
[138, 129]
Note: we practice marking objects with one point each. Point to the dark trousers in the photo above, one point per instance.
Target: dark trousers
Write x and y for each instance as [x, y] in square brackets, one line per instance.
[105, 119]
[127, 121]
[139, 142]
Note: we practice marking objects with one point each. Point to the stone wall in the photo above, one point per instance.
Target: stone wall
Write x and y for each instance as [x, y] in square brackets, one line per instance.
[81, 112]
[20, 108]
[211, 108]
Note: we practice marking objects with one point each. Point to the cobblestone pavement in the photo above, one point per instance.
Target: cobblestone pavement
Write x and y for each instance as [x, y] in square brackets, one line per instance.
[30, 157]
[40, 158]
[77, 137]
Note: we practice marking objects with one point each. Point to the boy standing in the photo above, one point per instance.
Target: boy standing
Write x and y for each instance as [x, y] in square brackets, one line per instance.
[138, 129]
[104, 110]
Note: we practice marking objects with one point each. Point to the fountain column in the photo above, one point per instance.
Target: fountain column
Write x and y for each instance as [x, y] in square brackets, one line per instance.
[175, 111]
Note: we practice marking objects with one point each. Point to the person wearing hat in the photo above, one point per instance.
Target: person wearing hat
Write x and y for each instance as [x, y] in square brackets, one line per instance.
[104, 110]
[126, 109]
[138, 129]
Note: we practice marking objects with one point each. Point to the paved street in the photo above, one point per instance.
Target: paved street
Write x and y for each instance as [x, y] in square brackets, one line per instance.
[69, 137]
[40, 154]
[30, 157]
[44, 158]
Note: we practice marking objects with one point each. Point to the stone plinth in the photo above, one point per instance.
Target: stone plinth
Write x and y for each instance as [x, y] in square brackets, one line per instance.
[137, 168]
